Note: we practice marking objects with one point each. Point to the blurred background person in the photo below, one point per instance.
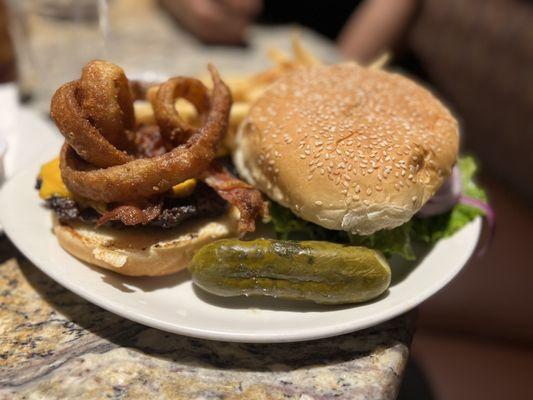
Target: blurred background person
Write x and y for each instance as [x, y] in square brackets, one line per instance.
[363, 30]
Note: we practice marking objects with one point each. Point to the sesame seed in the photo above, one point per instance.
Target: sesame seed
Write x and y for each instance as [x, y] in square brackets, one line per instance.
[365, 140]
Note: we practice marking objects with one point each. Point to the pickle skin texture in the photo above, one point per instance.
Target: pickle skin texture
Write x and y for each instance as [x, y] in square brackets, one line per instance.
[323, 272]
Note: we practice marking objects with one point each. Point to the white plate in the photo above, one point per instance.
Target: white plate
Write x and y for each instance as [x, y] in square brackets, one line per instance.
[172, 304]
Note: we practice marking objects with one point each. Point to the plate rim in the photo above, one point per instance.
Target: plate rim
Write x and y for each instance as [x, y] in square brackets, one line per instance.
[319, 332]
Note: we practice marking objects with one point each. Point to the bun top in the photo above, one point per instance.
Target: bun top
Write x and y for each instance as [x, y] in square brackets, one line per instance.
[348, 147]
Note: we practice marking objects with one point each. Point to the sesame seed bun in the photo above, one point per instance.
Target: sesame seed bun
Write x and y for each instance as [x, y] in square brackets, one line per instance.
[347, 147]
[143, 251]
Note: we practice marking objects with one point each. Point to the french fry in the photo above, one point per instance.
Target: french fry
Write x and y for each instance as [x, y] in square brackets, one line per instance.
[301, 54]
[278, 56]
[381, 61]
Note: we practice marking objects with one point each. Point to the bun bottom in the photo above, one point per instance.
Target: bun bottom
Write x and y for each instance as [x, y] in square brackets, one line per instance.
[143, 251]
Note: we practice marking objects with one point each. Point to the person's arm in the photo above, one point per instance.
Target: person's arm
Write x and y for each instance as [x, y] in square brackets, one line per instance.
[214, 21]
[374, 28]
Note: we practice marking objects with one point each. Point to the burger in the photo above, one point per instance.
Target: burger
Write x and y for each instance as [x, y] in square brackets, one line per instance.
[140, 198]
[191, 216]
[357, 155]
[342, 153]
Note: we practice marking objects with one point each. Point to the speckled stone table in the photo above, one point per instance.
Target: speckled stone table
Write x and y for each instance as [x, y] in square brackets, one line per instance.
[55, 345]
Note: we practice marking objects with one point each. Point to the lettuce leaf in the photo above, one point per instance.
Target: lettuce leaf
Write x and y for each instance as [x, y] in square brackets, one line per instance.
[430, 230]
[399, 240]
[394, 241]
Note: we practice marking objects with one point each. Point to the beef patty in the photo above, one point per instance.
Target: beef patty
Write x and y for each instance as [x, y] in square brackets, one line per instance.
[202, 203]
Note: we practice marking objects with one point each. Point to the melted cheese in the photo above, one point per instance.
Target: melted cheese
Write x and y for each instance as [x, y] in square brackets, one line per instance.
[51, 181]
[184, 188]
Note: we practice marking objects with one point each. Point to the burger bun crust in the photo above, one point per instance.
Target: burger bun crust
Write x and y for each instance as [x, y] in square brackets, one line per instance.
[143, 251]
[346, 147]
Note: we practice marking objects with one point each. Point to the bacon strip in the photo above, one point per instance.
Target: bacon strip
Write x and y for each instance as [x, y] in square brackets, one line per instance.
[245, 197]
[132, 214]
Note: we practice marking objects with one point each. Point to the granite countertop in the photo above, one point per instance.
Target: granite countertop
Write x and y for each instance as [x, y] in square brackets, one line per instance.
[55, 345]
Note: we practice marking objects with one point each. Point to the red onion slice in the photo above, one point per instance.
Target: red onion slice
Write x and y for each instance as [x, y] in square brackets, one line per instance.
[446, 197]
[449, 195]
[490, 217]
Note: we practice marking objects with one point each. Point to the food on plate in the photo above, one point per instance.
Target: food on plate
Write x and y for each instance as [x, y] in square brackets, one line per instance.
[140, 198]
[322, 272]
[369, 147]
[353, 154]
[358, 163]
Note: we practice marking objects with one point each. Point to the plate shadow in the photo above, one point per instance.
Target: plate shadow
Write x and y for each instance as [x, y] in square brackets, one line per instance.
[130, 284]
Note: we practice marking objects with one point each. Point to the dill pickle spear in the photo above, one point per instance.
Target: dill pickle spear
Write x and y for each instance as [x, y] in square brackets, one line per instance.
[322, 272]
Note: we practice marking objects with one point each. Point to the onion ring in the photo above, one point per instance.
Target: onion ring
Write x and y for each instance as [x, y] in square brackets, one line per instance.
[173, 129]
[79, 132]
[144, 178]
[106, 98]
